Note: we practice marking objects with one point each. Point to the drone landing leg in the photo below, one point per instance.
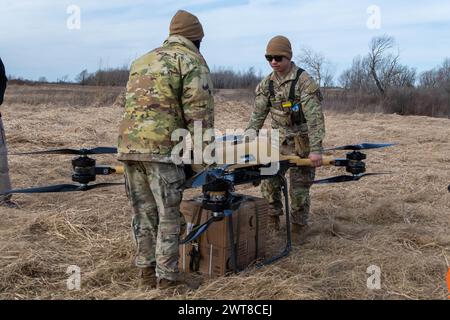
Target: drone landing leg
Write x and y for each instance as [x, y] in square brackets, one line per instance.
[287, 249]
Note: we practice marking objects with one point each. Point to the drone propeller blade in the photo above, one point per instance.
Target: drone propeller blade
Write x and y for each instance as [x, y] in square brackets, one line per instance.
[101, 185]
[97, 150]
[53, 151]
[198, 231]
[60, 188]
[200, 179]
[339, 179]
[363, 146]
[206, 176]
[102, 150]
[46, 189]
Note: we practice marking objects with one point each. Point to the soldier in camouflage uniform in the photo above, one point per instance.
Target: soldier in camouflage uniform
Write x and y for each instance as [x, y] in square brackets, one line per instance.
[293, 99]
[168, 88]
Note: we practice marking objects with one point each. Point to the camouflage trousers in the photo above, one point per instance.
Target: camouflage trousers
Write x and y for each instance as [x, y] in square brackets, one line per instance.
[153, 189]
[5, 183]
[299, 184]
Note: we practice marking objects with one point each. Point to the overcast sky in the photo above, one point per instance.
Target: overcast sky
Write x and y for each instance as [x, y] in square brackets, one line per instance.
[41, 38]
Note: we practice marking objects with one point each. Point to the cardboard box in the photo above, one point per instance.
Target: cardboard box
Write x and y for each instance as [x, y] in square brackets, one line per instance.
[214, 261]
[249, 228]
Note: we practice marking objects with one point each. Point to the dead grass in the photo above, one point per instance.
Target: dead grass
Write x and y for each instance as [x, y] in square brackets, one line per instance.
[62, 95]
[398, 222]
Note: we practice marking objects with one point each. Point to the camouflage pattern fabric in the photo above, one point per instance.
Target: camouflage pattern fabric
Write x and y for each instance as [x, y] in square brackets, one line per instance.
[308, 136]
[298, 193]
[155, 194]
[307, 93]
[5, 183]
[169, 88]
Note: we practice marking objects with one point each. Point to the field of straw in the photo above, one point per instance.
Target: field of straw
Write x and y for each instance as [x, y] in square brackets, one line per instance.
[398, 222]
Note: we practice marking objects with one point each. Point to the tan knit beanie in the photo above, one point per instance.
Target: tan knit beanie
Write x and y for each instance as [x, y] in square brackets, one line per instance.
[187, 25]
[279, 46]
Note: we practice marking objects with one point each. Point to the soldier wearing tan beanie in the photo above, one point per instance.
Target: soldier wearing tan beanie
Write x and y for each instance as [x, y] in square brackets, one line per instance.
[279, 46]
[167, 82]
[187, 25]
[293, 99]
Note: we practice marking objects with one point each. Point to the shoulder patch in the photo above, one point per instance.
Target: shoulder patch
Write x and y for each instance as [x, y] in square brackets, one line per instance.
[308, 84]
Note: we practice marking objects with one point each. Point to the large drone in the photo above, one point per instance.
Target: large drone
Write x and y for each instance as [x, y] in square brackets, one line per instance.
[217, 182]
[240, 172]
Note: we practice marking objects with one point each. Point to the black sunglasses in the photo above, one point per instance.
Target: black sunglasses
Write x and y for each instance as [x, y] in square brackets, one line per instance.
[277, 58]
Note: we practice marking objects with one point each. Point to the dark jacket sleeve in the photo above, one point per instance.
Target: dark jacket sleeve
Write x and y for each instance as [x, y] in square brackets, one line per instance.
[3, 81]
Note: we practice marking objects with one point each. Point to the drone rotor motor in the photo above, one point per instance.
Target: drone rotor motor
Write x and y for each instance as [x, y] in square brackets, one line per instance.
[83, 170]
[355, 162]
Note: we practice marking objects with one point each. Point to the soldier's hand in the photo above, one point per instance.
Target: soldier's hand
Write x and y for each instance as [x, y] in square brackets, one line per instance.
[316, 159]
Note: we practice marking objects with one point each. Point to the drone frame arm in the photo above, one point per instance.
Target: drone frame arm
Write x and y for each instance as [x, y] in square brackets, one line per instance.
[107, 170]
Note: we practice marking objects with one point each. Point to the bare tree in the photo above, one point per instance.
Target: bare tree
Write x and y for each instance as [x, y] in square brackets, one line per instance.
[382, 64]
[403, 77]
[444, 80]
[63, 79]
[229, 79]
[357, 77]
[428, 79]
[317, 65]
[328, 80]
[82, 77]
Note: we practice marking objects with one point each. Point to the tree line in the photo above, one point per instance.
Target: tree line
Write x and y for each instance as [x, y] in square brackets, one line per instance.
[375, 81]
[378, 81]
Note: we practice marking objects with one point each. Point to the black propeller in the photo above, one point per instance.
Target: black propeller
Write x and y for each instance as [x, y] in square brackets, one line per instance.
[97, 150]
[62, 188]
[345, 178]
[199, 230]
[363, 146]
[205, 177]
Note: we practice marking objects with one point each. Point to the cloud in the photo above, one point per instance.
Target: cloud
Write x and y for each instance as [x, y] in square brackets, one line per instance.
[36, 42]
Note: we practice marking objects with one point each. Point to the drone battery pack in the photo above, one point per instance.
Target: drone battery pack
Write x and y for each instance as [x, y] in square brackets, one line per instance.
[211, 254]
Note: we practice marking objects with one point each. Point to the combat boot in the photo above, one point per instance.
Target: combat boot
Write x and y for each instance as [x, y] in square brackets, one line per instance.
[147, 278]
[299, 233]
[182, 285]
[166, 283]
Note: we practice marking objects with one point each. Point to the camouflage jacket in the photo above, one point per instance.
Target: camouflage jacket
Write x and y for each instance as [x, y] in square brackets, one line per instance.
[168, 88]
[307, 94]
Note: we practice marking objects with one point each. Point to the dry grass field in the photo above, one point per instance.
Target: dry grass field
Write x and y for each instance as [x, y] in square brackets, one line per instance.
[399, 222]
